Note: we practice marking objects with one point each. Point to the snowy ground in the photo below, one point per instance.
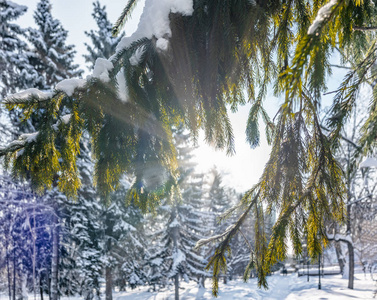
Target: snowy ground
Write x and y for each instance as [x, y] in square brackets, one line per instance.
[280, 287]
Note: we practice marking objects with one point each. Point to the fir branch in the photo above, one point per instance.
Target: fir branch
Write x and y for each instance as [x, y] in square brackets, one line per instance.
[366, 28]
[12, 147]
[124, 17]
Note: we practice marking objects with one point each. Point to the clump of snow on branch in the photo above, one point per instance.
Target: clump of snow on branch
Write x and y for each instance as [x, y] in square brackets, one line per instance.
[63, 120]
[29, 137]
[20, 142]
[26, 95]
[16, 6]
[162, 44]
[369, 162]
[68, 86]
[340, 237]
[102, 68]
[322, 14]
[154, 21]
[214, 238]
[156, 261]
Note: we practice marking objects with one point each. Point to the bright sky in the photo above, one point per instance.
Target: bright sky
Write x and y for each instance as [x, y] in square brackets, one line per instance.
[241, 170]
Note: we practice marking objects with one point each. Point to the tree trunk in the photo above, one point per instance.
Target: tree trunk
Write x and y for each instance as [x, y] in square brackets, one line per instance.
[176, 284]
[8, 269]
[351, 264]
[14, 270]
[55, 259]
[339, 255]
[175, 235]
[33, 234]
[202, 281]
[351, 256]
[41, 286]
[109, 283]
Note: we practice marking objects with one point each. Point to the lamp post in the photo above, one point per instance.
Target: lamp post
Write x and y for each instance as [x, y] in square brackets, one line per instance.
[305, 259]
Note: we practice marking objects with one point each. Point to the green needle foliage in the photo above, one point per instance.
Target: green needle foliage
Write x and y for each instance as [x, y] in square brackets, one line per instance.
[214, 55]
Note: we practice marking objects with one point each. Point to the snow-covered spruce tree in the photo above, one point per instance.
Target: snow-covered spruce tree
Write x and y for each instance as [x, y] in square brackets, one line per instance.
[174, 255]
[123, 242]
[15, 70]
[186, 61]
[192, 207]
[167, 259]
[53, 58]
[85, 231]
[218, 203]
[103, 43]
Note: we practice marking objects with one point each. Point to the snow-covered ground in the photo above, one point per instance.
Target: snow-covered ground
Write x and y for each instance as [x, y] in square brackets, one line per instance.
[280, 287]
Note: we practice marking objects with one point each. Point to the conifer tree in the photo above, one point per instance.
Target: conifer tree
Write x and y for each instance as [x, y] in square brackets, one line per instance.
[52, 58]
[103, 43]
[15, 70]
[175, 256]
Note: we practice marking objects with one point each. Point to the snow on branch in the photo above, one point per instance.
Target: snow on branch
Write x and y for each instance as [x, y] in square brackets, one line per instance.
[63, 120]
[68, 86]
[19, 143]
[214, 238]
[178, 258]
[29, 95]
[339, 237]
[26, 138]
[102, 68]
[154, 22]
[322, 15]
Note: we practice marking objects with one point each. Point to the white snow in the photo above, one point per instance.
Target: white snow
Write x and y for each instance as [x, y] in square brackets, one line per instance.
[65, 119]
[68, 86]
[15, 6]
[27, 95]
[322, 14]
[288, 287]
[369, 162]
[162, 44]
[102, 68]
[157, 261]
[29, 137]
[338, 237]
[154, 21]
